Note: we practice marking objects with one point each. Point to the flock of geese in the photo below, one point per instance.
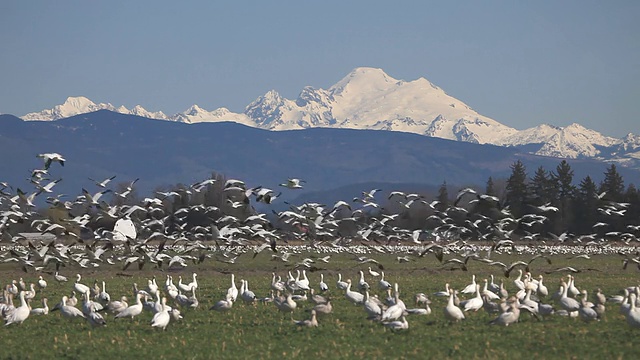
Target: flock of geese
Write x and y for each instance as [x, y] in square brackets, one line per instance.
[155, 233]
[379, 300]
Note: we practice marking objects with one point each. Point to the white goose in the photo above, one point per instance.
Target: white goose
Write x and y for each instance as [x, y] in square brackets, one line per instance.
[362, 284]
[475, 303]
[44, 310]
[323, 286]
[232, 292]
[569, 304]
[395, 311]
[223, 305]
[247, 295]
[401, 324]
[80, 288]
[586, 312]
[285, 304]
[103, 297]
[341, 285]
[353, 296]
[69, 311]
[161, 318]
[42, 283]
[313, 322]
[510, 316]
[383, 284]
[471, 288]
[19, 314]
[543, 291]
[117, 306]
[94, 318]
[633, 315]
[372, 306]
[451, 311]
[131, 311]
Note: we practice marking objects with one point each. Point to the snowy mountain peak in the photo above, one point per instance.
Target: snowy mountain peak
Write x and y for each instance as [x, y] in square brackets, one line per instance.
[368, 98]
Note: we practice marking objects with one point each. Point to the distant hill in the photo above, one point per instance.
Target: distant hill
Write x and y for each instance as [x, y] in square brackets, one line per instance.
[105, 143]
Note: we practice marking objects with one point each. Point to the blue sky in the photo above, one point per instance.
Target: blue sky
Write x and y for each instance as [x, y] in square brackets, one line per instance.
[521, 63]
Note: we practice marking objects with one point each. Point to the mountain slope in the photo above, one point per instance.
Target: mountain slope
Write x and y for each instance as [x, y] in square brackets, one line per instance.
[368, 98]
[103, 143]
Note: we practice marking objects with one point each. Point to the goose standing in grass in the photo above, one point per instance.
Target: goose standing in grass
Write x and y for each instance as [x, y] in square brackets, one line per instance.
[353, 296]
[475, 303]
[395, 311]
[373, 273]
[471, 288]
[69, 311]
[542, 290]
[232, 291]
[285, 304]
[94, 318]
[510, 316]
[117, 306]
[161, 318]
[44, 310]
[383, 284]
[362, 284]
[42, 283]
[451, 311]
[247, 295]
[372, 306]
[313, 322]
[103, 297]
[133, 310]
[324, 309]
[586, 311]
[569, 304]
[80, 288]
[341, 285]
[323, 286]
[223, 305]
[633, 315]
[19, 314]
[444, 292]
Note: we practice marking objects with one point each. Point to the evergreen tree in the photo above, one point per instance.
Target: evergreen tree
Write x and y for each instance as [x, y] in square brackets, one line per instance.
[613, 184]
[566, 193]
[443, 198]
[516, 191]
[586, 213]
[490, 189]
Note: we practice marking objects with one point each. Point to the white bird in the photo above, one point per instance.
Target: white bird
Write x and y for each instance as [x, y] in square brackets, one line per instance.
[451, 311]
[51, 157]
[401, 324]
[232, 292]
[94, 318]
[323, 286]
[69, 311]
[19, 314]
[44, 310]
[542, 289]
[285, 304]
[293, 184]
[223, 305]
[60, 278]
[353, 296]
[586, 312]
[133, 310]
[396, 310]
[383, 284]
[373, 273]
[80, 288]
[475, 303]
[633, 315]
[247, 295]
[161, 319]
[362, 284]
[313, 322]
[471, 288]
[42, 283]
[510, 316]
[341, 285]
[117, 306]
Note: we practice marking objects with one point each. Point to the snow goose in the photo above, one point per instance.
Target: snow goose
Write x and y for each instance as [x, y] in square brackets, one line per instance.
[353, 296]
[19, 314]
[490, 294]
[633, 315]
[542, 290]
[372, 307]
[508, 317]
[133, 310]
[161, 319]
[232, 292]
[471, 288]
[313, 322]
[586, 312]
[324, 309]
[383, 284]
[341, 285]
[42, 283]
[475, 303]
[223, 305]
[69, 311]
[569, 304]
[323, 286]
[94, 318]
[401, 324]
[44, 310]
[60, 278]
[80, 288]
[285, 304]
[373, 273]
[395, 311]
[451, 311]
[247, 295]
[117, 306]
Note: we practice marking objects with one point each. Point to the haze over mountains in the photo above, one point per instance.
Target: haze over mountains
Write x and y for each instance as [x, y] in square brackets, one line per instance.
[367, 98]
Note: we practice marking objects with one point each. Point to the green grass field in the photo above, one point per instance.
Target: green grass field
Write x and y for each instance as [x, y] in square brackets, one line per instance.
[261, 332]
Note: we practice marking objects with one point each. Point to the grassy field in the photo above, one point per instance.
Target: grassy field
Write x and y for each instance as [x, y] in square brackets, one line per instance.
[261, 331]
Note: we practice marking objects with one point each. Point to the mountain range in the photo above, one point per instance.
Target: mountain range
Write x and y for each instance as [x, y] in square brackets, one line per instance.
[334, 162]
[368, 98]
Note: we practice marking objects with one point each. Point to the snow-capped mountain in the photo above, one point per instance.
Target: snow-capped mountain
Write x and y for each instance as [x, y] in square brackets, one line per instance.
[368, 98]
